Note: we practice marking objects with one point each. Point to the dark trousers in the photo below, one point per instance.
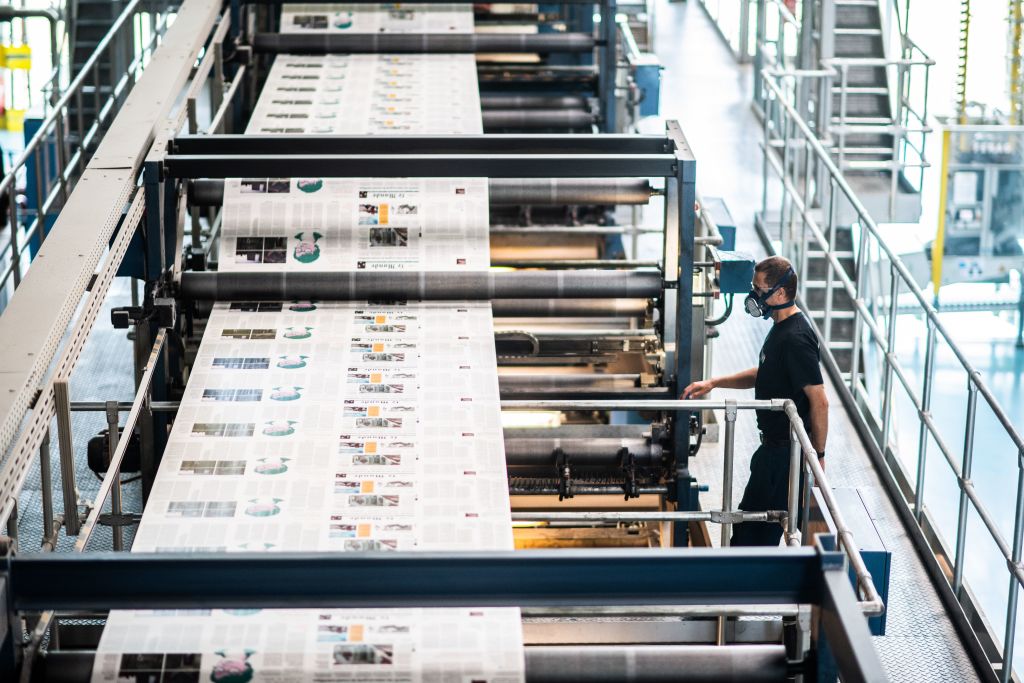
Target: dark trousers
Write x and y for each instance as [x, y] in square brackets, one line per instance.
[767, 489]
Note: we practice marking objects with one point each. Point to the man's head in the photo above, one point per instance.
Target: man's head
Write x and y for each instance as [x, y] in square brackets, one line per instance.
[770, 272]
[773, 287]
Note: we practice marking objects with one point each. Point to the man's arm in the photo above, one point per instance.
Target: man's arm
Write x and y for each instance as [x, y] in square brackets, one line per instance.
[819, 417]
[741, 380]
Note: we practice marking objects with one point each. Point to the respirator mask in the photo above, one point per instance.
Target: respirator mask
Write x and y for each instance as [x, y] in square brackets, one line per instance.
[756, 304]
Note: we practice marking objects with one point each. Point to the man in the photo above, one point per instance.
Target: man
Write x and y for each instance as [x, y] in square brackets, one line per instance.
[788, 368]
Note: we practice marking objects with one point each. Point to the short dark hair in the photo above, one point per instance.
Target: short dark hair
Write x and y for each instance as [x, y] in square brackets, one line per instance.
[774, 269]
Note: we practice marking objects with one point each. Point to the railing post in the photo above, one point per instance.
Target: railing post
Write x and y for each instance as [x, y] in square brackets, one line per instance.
[113, 418]
[792, 527]
[896, 169]
[783, 226]
[803, 216]
[965, 477]
[894, 290]
[926, 401]
[12, 216]
[727, 467]
[46, 492]
[1011, 607]
[37, 158]
[767, 125]
[858, 324]
[62, 406]
[827, 322]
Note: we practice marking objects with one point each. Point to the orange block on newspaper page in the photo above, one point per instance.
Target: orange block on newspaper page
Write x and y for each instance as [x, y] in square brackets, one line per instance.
[373, 411]
[378, 347]
[364, 530]
[370, 447]
[381, 319]
[382, 212]
[375, 378]
[355, 633]
[367, 487]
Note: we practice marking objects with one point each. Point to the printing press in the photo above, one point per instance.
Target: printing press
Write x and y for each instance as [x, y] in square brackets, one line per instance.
[592, 349]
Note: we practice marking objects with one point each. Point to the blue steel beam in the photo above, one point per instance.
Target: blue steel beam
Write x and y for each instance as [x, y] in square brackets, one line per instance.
[526, 578]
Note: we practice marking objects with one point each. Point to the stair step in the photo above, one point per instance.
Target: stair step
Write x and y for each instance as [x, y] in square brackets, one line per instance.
[863, 75]
[863, 140]
[836, 315]
[858, 31]
[861, 104]
[83, 22]
[814, 296]
[864, 151]
[839, 254]
[859, 120]
[857, 16]
[817, 271]
[859, 45]
[862, 89]
[872, 166]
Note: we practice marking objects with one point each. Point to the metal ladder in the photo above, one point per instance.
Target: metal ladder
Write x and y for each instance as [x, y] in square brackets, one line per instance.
[90, 21]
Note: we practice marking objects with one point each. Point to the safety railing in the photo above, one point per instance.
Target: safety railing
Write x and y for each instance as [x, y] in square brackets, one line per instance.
[803, 460]
[877, 372]
[48, 168]
[907, 81]
[908, 125]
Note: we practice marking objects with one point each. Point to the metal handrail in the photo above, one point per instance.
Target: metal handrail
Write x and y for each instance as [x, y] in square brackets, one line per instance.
[50, 144]
[870, 225]
[871, 602]
[799, 135]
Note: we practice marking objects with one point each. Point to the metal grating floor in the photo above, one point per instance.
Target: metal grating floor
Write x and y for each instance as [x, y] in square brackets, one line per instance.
[709, 94]
[103, 373]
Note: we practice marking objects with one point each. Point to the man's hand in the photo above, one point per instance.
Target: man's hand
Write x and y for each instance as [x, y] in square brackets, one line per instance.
[699, 389]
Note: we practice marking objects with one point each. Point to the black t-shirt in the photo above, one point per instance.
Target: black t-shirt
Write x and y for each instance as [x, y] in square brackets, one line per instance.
[788, 363]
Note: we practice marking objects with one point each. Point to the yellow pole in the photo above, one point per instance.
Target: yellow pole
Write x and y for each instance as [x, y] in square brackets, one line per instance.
[1016, 105]
[938, 246]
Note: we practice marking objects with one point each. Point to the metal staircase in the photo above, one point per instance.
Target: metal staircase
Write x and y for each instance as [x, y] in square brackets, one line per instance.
[90, 21]
[864, 101]
[868, 106]
[864, 119]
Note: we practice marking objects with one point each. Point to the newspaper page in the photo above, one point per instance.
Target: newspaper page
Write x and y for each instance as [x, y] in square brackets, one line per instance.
[366, 94]
[339, 427]
[331, 224]
[287, 646]
[376, 18]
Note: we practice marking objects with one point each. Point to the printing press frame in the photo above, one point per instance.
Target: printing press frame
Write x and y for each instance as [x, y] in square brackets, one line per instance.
[187, 158]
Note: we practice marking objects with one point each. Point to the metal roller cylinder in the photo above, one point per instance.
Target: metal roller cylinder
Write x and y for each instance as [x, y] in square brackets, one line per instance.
[568, 308]
[537, 118]
[652, 663]
[559, 664]
[581, 452]
[328, 43]
[557, 381]
[428, 286]
[560, 191]
[503, 191]
[588, 431]
[533, 102]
